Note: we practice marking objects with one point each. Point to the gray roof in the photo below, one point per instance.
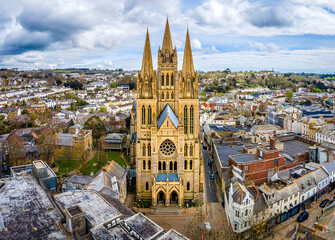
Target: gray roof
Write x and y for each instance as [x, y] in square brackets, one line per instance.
[224, 151]
[294, 148]
[329, 167]
[320, 175]
[101, 233]
[173, 235]
[167, 112]
[80, 179]
[26, 211]
[64, 139]
[96, 209]
[244, 158]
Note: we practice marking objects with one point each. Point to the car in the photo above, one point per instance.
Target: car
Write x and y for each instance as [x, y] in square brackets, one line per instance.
[204, 147]
[209, 163]
[303, 216]
[324, 203]
[212, 176]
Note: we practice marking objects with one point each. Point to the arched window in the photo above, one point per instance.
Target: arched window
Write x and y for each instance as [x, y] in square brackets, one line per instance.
[162, 82]
[147, 186]
[149, 115]
[143, 151]
[167, 80]
[191, 119]
[143, 115]
[185, 150]
[185, 119]
[185, 164]
[171, 166]
[172, 95]
[175, 166]
[172, 80]
[191, 150]
[164, 166]
[144, 164]
[188, 186]
[162, 95]
[149, 149]
[167, 95]
[149, 164]
[188, 86]
[159, 166]
[191, 165]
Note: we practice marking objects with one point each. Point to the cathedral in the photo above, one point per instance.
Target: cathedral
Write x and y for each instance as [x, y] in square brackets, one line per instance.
[165, 127]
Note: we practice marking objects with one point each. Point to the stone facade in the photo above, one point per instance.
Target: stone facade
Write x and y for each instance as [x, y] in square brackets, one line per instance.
[165, 128]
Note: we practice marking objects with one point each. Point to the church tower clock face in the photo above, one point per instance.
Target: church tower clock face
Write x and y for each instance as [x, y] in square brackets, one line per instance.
[165, 127]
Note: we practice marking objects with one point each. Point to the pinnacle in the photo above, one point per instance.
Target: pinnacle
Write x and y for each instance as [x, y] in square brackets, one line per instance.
[147, 58]
[188, 59]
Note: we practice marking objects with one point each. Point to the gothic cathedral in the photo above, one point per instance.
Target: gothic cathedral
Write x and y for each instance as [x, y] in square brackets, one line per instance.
[165, 127]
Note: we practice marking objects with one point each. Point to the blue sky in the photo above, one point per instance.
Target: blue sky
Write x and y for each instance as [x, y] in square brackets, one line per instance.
[287, 35]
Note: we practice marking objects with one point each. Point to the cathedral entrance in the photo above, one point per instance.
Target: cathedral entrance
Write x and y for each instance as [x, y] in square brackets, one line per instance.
[161, 198]
[174, 198]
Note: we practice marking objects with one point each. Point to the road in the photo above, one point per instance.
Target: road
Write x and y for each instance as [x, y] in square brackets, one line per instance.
[209, 183]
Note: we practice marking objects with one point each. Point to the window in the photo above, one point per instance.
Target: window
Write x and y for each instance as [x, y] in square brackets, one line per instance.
[295, 202]
[188, 86]
[172, 80]
[167, 148]
[191, 150]
[188, 186]
[164, 166]
[291, 198]
[245, 224]
[237, 213]
[147, 186]
[191, 165]
[235, 226]
[175, 166]
[143, 151]
[167, 95]
[149, 149]
[149, 164]
[172, 96]
[149, 115]
[167, 80]
[162, 82]
[143, 115]
[246, 212]
[185, 120]
[171, 166]
[144, 164]
[185, 150]
[191, 119]
[162, 95]
[296, 195]
[185, 165]
[159, 166]
[286, 199]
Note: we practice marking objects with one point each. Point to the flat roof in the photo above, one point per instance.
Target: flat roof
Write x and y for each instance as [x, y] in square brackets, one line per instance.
[245, 158]
[295, 148]
[96, 209]
[173, 235]
[101, 233]
[26, 211]
[224, 151]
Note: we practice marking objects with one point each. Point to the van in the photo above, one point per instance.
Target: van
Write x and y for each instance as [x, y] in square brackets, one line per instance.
[303, 216]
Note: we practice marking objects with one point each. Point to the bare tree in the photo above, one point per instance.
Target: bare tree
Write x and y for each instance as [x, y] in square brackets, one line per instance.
[15, 149]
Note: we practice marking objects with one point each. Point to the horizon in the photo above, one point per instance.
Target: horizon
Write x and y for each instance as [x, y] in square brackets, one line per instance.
[288, 36]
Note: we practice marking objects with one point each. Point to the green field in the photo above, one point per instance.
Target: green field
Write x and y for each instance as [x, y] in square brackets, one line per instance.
[65, 166]
[101, 159]
[62, 71]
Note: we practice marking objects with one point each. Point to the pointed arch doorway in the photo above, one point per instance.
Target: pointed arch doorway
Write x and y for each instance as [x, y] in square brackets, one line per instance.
[161, 198]
[174, 198]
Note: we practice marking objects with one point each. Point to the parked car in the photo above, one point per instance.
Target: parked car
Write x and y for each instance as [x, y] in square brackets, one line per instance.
[212, 176]
[204, 147]
[209, 163]
[324, 203]
[303, 216]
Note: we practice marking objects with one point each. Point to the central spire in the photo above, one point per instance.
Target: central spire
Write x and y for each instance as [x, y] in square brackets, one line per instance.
[167, 41]
[188, 59]
[147, 58]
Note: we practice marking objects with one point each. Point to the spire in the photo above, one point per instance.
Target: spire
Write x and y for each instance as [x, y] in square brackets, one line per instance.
[188, 59]
[147, 58]
[167, 42]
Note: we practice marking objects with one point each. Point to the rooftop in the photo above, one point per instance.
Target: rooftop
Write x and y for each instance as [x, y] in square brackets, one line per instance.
[224, 151]
[26, 211]
[295, 148]
[162, 177]
[101, 233]
[97, 210]
[245, 158]
[173, 235]
[167, 112]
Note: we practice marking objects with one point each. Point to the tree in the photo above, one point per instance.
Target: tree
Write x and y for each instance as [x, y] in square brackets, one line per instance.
[97, 126]
[103, 109]
[46, 142]
[15, 148]
[289, 95]
[59, 82]
[316, 90]
[113, 85]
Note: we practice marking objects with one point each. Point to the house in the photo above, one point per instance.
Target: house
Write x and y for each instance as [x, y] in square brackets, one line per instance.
[330, 169]
[114, 142]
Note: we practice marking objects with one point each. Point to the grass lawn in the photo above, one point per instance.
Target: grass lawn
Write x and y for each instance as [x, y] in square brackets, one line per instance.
[65, 166]
[104, 157]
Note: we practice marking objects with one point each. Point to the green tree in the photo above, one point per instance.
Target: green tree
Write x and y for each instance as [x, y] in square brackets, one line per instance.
[103, 109]
[316, 90]
[113, 85]
[289, 95]
[97, 126]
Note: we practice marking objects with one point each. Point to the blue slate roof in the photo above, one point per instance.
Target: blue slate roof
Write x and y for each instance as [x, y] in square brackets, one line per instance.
[167, 112]
[162, 177]
[329, 166]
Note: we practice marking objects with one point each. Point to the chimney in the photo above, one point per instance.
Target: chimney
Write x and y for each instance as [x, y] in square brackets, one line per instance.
[272, 143]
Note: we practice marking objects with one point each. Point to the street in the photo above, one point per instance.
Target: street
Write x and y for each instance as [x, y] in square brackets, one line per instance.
[210, 185]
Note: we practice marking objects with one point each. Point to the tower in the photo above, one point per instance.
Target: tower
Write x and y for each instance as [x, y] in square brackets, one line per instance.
[165, 127]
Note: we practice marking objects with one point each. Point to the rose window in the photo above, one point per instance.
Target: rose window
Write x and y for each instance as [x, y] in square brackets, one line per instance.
[167, 148]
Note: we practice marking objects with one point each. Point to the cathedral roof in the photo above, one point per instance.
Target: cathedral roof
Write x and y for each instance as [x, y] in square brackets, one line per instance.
[167, 112]
[167, 41]
[162, 177]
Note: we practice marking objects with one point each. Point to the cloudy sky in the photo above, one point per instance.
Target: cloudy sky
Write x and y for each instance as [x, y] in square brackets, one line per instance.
[287, 35]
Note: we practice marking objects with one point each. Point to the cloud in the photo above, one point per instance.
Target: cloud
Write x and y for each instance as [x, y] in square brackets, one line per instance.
[270, 47]
[268, 17]
[196, 44]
